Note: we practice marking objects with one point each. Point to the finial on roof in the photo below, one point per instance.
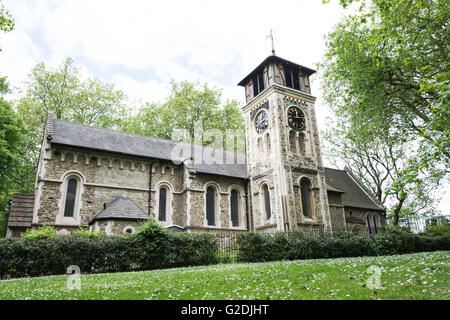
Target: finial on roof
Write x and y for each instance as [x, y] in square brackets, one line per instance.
[271, 38]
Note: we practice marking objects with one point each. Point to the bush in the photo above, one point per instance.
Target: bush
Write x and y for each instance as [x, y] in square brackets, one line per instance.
[41, 253]
[259, 247]
[192, 249]
[435, 230]
[396, 240]
[3, 224]
[40, 233]
[153, 245]
[87, 234]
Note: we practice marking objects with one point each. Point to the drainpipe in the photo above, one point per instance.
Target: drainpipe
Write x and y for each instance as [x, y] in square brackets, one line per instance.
[150, 189]
[246, 205]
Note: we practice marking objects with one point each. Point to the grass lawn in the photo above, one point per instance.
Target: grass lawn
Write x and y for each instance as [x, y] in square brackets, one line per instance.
[410, 276]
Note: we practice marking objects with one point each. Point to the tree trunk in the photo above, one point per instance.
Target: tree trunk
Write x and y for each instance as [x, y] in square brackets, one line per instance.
[397, 211]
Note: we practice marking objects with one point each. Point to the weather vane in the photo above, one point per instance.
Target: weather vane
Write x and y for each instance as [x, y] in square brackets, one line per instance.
[271, 38]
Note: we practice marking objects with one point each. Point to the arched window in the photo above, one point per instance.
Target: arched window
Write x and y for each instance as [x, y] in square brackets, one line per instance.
[162, 204]
[211, 206]
[71, 195]
[234, 207]
[305, 190]
[266, 195]
[369, 225]
[375, 224]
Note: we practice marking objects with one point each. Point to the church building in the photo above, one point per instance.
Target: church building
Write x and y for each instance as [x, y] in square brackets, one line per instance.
[111, 181]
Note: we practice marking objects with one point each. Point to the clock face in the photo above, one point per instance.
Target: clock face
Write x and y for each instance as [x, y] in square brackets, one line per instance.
[296, 118]
[261, 121]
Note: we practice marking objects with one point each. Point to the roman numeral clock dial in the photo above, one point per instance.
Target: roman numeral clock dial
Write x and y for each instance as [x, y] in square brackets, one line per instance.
[296, 118]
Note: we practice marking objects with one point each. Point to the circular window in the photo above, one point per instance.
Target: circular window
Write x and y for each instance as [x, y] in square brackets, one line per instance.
[128, 230]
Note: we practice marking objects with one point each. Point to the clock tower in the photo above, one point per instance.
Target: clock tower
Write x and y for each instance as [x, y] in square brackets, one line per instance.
[284, 162]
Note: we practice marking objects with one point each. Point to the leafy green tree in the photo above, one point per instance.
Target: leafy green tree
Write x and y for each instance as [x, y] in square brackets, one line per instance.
[390, 61]
[383, 162]
[12, 133]
[6, 20]
[386, 78]
[189, 106]
[89, 102]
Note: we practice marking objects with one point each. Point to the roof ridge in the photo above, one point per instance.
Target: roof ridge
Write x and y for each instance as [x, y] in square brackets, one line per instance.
[334, 169]
[146, 137]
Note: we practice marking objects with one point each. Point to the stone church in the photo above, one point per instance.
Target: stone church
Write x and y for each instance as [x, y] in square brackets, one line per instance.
[111, 181]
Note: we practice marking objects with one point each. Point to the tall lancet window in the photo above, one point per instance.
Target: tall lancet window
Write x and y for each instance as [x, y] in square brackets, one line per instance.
[162, 204]
[305, 187]
[234, 207]
[211, 206]
[71, 194]
[266, 195]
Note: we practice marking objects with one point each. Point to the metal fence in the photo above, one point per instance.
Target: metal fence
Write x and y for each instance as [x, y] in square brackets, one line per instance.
[228, 248]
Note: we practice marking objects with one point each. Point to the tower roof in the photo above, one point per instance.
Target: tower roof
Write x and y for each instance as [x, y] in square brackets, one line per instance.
[274, 58]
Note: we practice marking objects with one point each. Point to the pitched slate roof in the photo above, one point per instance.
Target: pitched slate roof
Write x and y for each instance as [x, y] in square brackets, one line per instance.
[121, 208]
[73, 134]
[355, 194]
[21, 211]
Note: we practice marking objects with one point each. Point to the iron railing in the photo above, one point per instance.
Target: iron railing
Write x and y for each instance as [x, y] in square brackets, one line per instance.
[228, 248]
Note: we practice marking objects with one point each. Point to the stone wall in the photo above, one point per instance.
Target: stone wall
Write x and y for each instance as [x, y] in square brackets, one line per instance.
[104, 176]
[336, 211]
[282, 163]
[116, 227]
[357, 219]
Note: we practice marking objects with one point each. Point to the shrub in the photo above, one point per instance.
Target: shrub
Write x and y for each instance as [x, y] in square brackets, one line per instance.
[152, 247]
[435, 230]
[3, 224]
[192, 249]
[85, 233]
[40, 233]
[254, 247]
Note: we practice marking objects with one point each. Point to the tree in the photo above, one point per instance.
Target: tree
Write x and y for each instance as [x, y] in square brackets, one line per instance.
[396, 70]
[383, 162]
[193, 107]
[386, 78]
[6, 20]
[89, 102]
[12, 134]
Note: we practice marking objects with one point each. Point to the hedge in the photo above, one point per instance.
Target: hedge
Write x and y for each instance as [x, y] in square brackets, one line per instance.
[260, 247]
[150, 249]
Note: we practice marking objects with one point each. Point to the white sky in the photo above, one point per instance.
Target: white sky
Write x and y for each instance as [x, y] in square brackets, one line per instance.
[140, 46]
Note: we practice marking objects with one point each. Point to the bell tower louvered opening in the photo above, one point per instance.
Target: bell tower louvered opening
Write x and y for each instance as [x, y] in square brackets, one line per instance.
[275, 70]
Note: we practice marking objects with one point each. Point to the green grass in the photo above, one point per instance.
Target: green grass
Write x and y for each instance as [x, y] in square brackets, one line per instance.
[410, 276]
